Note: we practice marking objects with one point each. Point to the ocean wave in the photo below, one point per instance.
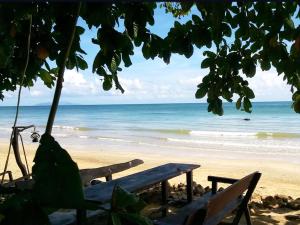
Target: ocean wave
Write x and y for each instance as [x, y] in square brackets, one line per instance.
[276, 135]
[173, 131]
[114, 139]
[236, 144]
[60, 135]
[84, 136]
[261, 135]
[64, 127]
[219, 133]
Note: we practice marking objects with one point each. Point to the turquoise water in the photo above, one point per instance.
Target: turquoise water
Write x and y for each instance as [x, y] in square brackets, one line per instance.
[273, 127]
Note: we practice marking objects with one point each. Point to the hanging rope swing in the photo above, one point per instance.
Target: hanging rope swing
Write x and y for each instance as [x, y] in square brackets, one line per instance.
[18, 129]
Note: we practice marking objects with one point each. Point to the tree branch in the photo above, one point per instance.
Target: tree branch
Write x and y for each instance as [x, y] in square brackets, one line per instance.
[60, 77]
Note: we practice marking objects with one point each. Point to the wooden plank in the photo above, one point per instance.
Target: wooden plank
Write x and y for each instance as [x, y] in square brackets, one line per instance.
[89, 174]
[138, 181]
[221, 199]
[188, 214]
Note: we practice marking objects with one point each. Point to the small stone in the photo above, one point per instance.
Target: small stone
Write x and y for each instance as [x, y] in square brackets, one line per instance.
[94, 182]
[181, 185]
[198, 190]
[221, 189]
[207, 189]
[269, 202]
[293, 217]
[295, 205]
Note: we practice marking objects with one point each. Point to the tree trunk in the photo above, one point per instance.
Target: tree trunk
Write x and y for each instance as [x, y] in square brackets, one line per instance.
[60, 76]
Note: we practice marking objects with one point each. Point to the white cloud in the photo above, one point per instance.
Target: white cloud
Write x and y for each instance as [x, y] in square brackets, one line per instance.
[193, 81]
[144, 84]
[76, 85]
[267, 85]
[36, 93]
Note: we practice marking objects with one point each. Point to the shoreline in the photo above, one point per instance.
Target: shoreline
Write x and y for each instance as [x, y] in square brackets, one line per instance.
[278, 177]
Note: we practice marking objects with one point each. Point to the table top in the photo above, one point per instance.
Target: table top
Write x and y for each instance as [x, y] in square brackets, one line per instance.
[102, 192]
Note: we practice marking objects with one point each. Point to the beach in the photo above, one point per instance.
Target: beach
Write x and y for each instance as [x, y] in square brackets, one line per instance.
[278, 177]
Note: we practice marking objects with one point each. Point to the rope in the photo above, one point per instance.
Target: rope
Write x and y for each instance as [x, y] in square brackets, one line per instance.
[19, 97]
[24, 152]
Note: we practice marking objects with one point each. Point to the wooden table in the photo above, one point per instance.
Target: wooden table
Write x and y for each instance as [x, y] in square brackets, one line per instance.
[142, 180]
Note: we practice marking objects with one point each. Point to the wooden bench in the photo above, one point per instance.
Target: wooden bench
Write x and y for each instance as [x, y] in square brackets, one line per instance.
[87, 175]
[213, 207]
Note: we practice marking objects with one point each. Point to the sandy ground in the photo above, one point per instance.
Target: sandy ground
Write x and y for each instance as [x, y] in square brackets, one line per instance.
[277, 177]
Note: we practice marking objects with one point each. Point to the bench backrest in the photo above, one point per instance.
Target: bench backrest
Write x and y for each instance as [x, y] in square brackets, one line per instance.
[224, 202]
[107, 171]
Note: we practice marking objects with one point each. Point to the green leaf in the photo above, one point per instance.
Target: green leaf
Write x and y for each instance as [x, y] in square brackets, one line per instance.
[296, 105]
[18, 209]
[82, 64]
[98, 61]
[101, 71]
[79, 30]
[207, 63]
[247, 105]
[248, 92]
[115, 219]
[117, 83]
[124, 199]
[202, 90]
[296, 95]
[249, 67]
[126, 60]
[46, 77]
[209, 54]
[47, 65]
[265, 65]
[107, 83]
[196, 19]
[226, 95]
[113, 65]
[186, 6]
[135, 30]
[239, 103]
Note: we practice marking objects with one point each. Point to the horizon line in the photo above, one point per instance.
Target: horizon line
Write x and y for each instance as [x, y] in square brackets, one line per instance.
[158, 103]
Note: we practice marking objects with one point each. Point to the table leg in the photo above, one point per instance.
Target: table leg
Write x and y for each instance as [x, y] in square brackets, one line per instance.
[108, 178]
[81, 216]
[164, 196]
[189, 186]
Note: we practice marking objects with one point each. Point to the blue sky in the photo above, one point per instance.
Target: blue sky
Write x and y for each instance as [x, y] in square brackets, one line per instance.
[146, 81]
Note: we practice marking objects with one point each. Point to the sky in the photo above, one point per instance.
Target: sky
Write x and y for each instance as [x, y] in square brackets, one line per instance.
[145, 81]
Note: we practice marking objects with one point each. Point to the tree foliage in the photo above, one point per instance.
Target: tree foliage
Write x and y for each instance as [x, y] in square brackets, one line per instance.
[240, 37]
[236, 39]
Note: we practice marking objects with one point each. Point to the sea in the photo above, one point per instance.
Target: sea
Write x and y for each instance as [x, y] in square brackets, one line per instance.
[271, 131]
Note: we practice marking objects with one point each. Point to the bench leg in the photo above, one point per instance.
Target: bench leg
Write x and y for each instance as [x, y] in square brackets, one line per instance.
[164, 196]
[108, 178]
[189, 186]
[247, 216]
